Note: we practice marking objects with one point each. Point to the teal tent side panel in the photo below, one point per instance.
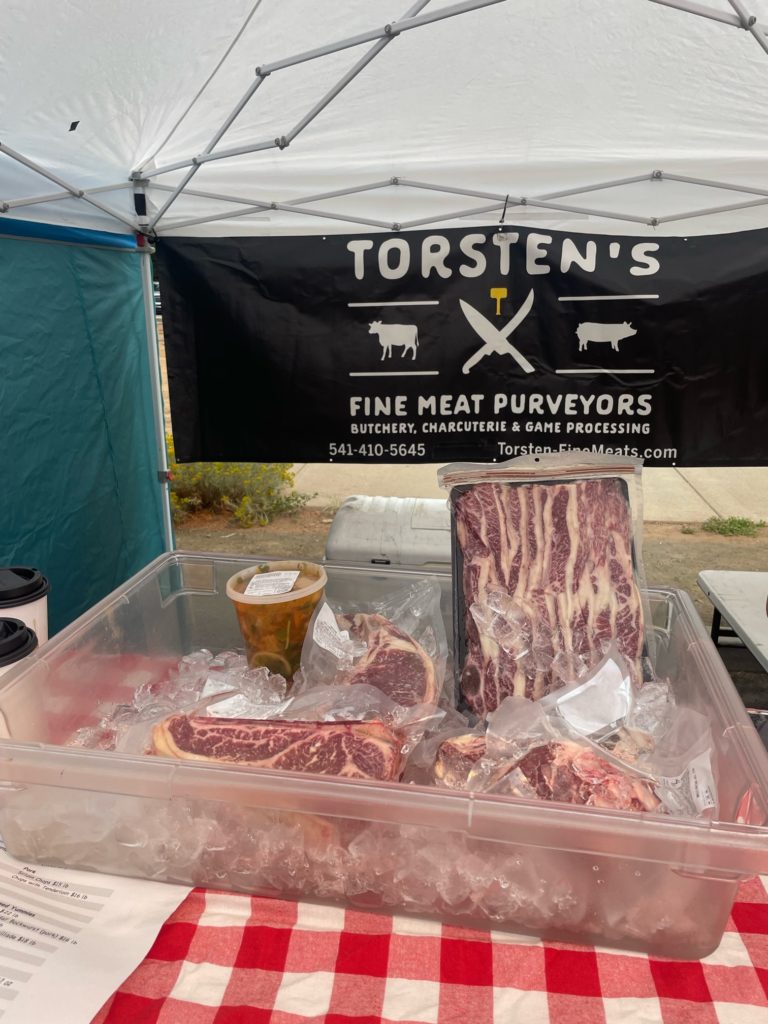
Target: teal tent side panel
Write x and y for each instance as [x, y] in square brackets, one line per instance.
[78, 468]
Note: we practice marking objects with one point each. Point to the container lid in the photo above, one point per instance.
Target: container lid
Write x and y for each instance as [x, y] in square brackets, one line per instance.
[237, 584]
[19, 585]
[17, 640]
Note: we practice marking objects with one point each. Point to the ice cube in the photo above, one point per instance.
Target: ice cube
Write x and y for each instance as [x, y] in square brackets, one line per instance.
[196, 662]
[147, 693]
[262, 686]
[155, 711]
[123, 715]
[653, 707]
[185, 687]
[568, 666]
[95, 737]
[227, 660]
[130, 835]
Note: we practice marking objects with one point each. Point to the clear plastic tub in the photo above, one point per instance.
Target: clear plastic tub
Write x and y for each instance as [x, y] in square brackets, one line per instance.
[569, 873]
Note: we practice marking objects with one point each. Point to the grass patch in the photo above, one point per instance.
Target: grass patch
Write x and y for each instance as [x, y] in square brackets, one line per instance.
[687, 529]
[733, 526]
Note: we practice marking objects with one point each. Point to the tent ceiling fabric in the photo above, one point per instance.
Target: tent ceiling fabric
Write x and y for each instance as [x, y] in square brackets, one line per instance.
[517, 99]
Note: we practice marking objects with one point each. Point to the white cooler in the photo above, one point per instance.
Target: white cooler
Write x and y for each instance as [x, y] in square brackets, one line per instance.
[390, 531]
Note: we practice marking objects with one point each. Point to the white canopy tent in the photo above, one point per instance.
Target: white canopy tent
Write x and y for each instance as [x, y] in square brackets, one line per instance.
[256, 117]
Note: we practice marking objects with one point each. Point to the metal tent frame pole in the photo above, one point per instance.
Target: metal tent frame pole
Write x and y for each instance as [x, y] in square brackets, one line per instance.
[712, 13]
[325, 215]
[222, 60]
[384, 34]
[53, 197]
[547, 201]
[385, 37]
[260, 79]
[749, 22]
[158, 412]
[72, 190]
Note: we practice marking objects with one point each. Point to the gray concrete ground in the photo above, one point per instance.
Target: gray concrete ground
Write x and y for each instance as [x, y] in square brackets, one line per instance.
[669, 495]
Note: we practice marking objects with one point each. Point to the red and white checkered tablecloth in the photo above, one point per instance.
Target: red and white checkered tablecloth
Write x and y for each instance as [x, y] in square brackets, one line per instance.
[230, 959]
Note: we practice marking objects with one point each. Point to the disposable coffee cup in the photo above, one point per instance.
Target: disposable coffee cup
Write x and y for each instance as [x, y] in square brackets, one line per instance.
[274, 602]
[17, 640]
[24, 595]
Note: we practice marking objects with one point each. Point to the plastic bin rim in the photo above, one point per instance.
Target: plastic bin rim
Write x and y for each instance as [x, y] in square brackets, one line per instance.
[167, 558]
[125, 768]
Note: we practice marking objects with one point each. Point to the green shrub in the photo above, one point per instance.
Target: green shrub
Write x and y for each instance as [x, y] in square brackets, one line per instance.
[254, 492]
[733, 526]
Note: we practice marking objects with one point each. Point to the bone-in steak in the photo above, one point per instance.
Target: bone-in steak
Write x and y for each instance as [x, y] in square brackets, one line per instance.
[394, 662]
[353, 750]
[573, 774]
[456, 757]
[563, 553]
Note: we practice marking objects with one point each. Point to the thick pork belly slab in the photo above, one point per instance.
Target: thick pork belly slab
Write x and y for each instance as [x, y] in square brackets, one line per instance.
[563, 553]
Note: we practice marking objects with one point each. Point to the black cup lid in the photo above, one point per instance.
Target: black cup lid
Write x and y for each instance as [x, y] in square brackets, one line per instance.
[17, 640]
[19, 585]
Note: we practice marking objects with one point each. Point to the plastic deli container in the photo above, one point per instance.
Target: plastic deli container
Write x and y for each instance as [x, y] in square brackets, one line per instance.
[17, 640]
[274, 602]
[24, 595]
[568, 873]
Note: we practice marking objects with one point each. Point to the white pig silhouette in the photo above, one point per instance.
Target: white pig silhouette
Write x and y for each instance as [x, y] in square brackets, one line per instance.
[612, 333]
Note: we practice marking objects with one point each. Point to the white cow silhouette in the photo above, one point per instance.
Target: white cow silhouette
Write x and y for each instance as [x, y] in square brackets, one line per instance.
[404, 335]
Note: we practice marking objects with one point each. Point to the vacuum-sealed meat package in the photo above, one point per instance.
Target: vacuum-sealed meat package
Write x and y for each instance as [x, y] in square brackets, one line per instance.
[350, 732]
[397, 645]
[598, 742]
[547, 572]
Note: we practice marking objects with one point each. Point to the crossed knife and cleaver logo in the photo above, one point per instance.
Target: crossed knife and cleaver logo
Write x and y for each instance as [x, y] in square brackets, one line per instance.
[496, 339]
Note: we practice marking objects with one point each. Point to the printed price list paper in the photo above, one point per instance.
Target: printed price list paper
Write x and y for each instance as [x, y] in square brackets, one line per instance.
[68, 939]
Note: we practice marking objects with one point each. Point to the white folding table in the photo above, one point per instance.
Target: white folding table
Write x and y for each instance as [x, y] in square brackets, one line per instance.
[741, 598]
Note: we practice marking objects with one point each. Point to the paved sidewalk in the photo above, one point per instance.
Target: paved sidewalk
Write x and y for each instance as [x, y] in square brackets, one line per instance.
[669, 495]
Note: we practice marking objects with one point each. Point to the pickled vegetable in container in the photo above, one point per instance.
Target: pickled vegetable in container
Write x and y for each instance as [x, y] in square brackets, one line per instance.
[274, 602]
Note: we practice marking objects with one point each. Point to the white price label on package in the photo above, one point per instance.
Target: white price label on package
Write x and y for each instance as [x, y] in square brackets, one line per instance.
[265, 584]
[601, 703]
[696, 784]
[328, 635]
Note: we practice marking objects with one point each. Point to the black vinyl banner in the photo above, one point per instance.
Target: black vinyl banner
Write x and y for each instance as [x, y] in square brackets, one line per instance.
[472, 344]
